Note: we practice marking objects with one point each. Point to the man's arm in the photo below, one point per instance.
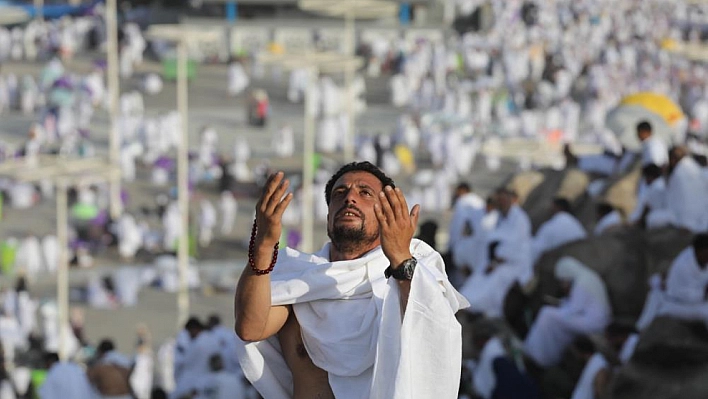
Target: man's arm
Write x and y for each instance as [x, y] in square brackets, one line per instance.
[396, 229]
[256, 318]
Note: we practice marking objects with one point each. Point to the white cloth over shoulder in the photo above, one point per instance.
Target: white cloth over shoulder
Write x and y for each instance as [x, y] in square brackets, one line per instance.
[687, 194]
[351, 325]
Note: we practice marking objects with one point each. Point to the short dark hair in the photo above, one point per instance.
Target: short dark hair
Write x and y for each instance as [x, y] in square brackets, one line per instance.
[700, 242]
[644, 126]
[51, 357]
[105, 346]
[562, 203]
[604, 208]
[193, 323]
[364, 166]
[214, 320]
[463, 186]
[652, 171]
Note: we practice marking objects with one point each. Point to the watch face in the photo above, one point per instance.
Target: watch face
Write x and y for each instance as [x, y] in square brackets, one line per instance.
[408, 268]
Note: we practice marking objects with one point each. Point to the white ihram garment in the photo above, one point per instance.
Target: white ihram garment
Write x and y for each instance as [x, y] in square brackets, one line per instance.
[351, 325]
[586, 311]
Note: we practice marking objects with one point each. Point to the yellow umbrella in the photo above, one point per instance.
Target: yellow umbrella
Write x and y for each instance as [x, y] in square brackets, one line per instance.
[658, 104]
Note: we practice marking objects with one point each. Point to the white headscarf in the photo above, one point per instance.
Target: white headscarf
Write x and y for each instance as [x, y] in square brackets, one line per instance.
[572, 270]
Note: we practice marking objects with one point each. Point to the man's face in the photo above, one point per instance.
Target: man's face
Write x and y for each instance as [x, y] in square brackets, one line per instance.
[504, 201]
[351, 218]
[643, 134]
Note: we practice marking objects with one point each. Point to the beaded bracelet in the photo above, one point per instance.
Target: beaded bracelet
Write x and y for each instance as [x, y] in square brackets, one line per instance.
[251, 250]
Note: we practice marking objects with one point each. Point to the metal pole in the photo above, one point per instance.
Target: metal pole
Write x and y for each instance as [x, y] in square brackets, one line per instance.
[182, 186]
[349, 34]
[113, 95]
[308, 172]
[62, 268]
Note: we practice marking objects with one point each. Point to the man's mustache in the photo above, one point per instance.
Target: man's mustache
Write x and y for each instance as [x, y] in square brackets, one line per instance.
[350, 208]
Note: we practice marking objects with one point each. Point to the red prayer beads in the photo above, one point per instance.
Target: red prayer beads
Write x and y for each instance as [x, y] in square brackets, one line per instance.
[251, 250]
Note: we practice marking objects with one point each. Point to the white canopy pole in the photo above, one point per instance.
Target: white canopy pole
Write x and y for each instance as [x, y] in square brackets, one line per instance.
[62, 268]
[113, 98]
[182, 185]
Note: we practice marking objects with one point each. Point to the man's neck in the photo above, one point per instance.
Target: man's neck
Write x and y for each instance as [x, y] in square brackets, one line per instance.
[336, 255]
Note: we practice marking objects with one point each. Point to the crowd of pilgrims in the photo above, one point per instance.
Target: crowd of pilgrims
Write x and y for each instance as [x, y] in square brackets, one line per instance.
[558, 74]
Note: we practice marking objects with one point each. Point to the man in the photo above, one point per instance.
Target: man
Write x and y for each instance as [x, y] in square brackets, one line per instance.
[192, 366]
[465, 202]
[331, 324]
[466, 208]
[686, 192]
[508, 260]
[496, 374]
[64, 380]
[654, 150]
[221, 384]
[684, 292]
[651, 210]
[110, 374]
[597, 374]
[226, 339]
[560, 229]
[608, 218]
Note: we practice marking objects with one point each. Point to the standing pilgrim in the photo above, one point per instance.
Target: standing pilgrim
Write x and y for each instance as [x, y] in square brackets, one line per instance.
[207, 221]
[371, 315]
[238, 79]
[229, 209]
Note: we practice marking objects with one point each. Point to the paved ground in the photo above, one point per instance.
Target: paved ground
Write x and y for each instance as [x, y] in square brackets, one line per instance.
[208, 104]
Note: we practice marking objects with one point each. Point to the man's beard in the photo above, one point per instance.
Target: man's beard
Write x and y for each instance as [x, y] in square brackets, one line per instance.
[349, 239]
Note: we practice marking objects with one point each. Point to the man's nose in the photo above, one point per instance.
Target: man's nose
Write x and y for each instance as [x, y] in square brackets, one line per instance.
[350, 198]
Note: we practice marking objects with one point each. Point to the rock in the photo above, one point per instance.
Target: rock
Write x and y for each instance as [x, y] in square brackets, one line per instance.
[623, 194]
[573, 186]
[524, 183]
[538, 202]
[670, 361]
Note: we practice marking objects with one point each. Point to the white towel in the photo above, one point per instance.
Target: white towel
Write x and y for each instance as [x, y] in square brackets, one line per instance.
[351, 325]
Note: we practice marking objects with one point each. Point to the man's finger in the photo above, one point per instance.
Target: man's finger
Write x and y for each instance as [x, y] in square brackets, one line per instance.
[392, 196]
[277, 196]
[415, 214]
[386, 205]
[282, 205]
[403, 205]
[379, 215]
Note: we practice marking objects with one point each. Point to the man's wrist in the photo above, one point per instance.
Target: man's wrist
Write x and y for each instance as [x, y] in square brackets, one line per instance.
[396, 261]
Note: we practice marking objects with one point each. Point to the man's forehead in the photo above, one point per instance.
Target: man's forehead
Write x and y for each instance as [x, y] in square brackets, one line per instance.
[359, 178]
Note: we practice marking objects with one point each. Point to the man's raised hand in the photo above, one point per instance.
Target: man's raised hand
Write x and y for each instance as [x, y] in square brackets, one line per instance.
[270, 208]
[396, 225]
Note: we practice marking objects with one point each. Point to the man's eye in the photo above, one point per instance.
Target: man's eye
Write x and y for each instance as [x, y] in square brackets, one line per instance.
[367, 193]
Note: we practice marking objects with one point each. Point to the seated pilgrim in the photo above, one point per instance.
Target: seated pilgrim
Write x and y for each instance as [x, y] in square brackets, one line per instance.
[684, 292]
[597, 374]
[651, 210]
[585, 311]
[608, 218]
[496, 375]
[508, 260]
[687, 192]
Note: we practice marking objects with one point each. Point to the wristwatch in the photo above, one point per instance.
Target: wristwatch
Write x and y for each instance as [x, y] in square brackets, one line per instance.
[404, 271]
